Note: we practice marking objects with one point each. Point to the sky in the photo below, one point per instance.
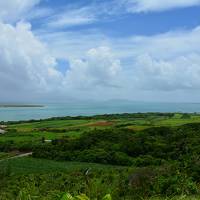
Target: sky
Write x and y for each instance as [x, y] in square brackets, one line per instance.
[63, 50]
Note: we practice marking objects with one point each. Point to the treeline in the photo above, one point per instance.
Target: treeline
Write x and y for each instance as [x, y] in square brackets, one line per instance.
[9, 146]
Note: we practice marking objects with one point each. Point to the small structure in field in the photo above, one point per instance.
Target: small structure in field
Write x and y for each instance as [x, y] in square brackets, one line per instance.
[2, 131]
[3, 126]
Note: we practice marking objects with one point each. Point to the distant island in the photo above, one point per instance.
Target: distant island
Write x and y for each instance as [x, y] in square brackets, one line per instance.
[19, 106]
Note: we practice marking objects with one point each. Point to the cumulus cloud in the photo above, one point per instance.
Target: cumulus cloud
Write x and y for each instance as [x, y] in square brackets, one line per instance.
[27, 67]
[25, 64]
[169, 61]
[97, 64]
[166, 62]
[98, 68]
[157, 5]
[180, 73]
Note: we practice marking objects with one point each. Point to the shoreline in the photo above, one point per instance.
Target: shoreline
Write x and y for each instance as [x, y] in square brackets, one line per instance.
[20, 106]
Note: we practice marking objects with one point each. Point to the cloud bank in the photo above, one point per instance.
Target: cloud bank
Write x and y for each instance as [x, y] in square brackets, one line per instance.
[99, 67]
[165, 62]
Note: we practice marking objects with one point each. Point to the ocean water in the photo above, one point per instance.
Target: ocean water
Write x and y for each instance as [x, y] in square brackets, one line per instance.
[87, 109]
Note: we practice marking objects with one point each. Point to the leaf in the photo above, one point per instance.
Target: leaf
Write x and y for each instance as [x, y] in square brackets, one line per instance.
[23, 196]
[107, 197]
[82, 197]
[67, 196]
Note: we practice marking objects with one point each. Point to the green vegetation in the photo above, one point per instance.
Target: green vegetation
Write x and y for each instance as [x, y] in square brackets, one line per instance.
[129, 156]
[68, 196]
[4, 155]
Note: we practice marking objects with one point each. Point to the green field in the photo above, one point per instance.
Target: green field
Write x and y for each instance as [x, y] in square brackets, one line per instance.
[98, 155]
[55, 129]
[4, 155]
[29, 165]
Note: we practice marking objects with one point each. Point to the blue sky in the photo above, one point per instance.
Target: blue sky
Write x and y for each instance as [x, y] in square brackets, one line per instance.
[122, 49]
[125, 24]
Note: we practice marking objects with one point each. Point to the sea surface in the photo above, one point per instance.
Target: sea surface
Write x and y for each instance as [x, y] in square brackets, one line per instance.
[87, 109]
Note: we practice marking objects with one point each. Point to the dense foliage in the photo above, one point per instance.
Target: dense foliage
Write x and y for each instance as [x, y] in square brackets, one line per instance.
[156, 160]
[174, 151]
[154, 146]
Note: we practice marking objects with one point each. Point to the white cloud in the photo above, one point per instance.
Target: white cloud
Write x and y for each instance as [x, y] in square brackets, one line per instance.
[27, 69]
[161, 46]
[13, 10]
[72, 17]
[171, 44]
[180, 73]
[147, 62]
[164, 62]
[136, 6]
[98, 68]
[124, 66]
[25, 64]
[39, 13]
[72, 45]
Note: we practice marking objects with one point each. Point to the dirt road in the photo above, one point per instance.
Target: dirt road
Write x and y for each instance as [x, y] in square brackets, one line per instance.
[18, 156]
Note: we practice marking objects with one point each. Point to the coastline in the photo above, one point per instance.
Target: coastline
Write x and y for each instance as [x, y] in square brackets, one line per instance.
[20, 106]
[28, 111]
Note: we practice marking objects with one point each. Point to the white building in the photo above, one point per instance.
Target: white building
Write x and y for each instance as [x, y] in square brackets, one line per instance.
[3, 126]
[2, 131]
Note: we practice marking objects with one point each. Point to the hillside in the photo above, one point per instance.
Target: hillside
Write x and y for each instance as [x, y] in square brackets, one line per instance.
[130, 156]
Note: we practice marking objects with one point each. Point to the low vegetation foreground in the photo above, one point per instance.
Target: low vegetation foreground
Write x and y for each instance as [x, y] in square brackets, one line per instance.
[119, 157]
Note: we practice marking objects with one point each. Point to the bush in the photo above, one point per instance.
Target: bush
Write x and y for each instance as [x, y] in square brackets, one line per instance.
[146, 160]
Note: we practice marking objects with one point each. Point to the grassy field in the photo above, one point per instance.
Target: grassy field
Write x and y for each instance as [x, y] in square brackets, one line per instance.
[56, 129]
[4, 155]
[29, 165]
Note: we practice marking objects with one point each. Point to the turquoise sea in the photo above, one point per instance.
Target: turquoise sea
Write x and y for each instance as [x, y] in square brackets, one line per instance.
[76, 109]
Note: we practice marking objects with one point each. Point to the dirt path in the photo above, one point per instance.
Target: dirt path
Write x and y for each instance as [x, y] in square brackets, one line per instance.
[18, 156]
